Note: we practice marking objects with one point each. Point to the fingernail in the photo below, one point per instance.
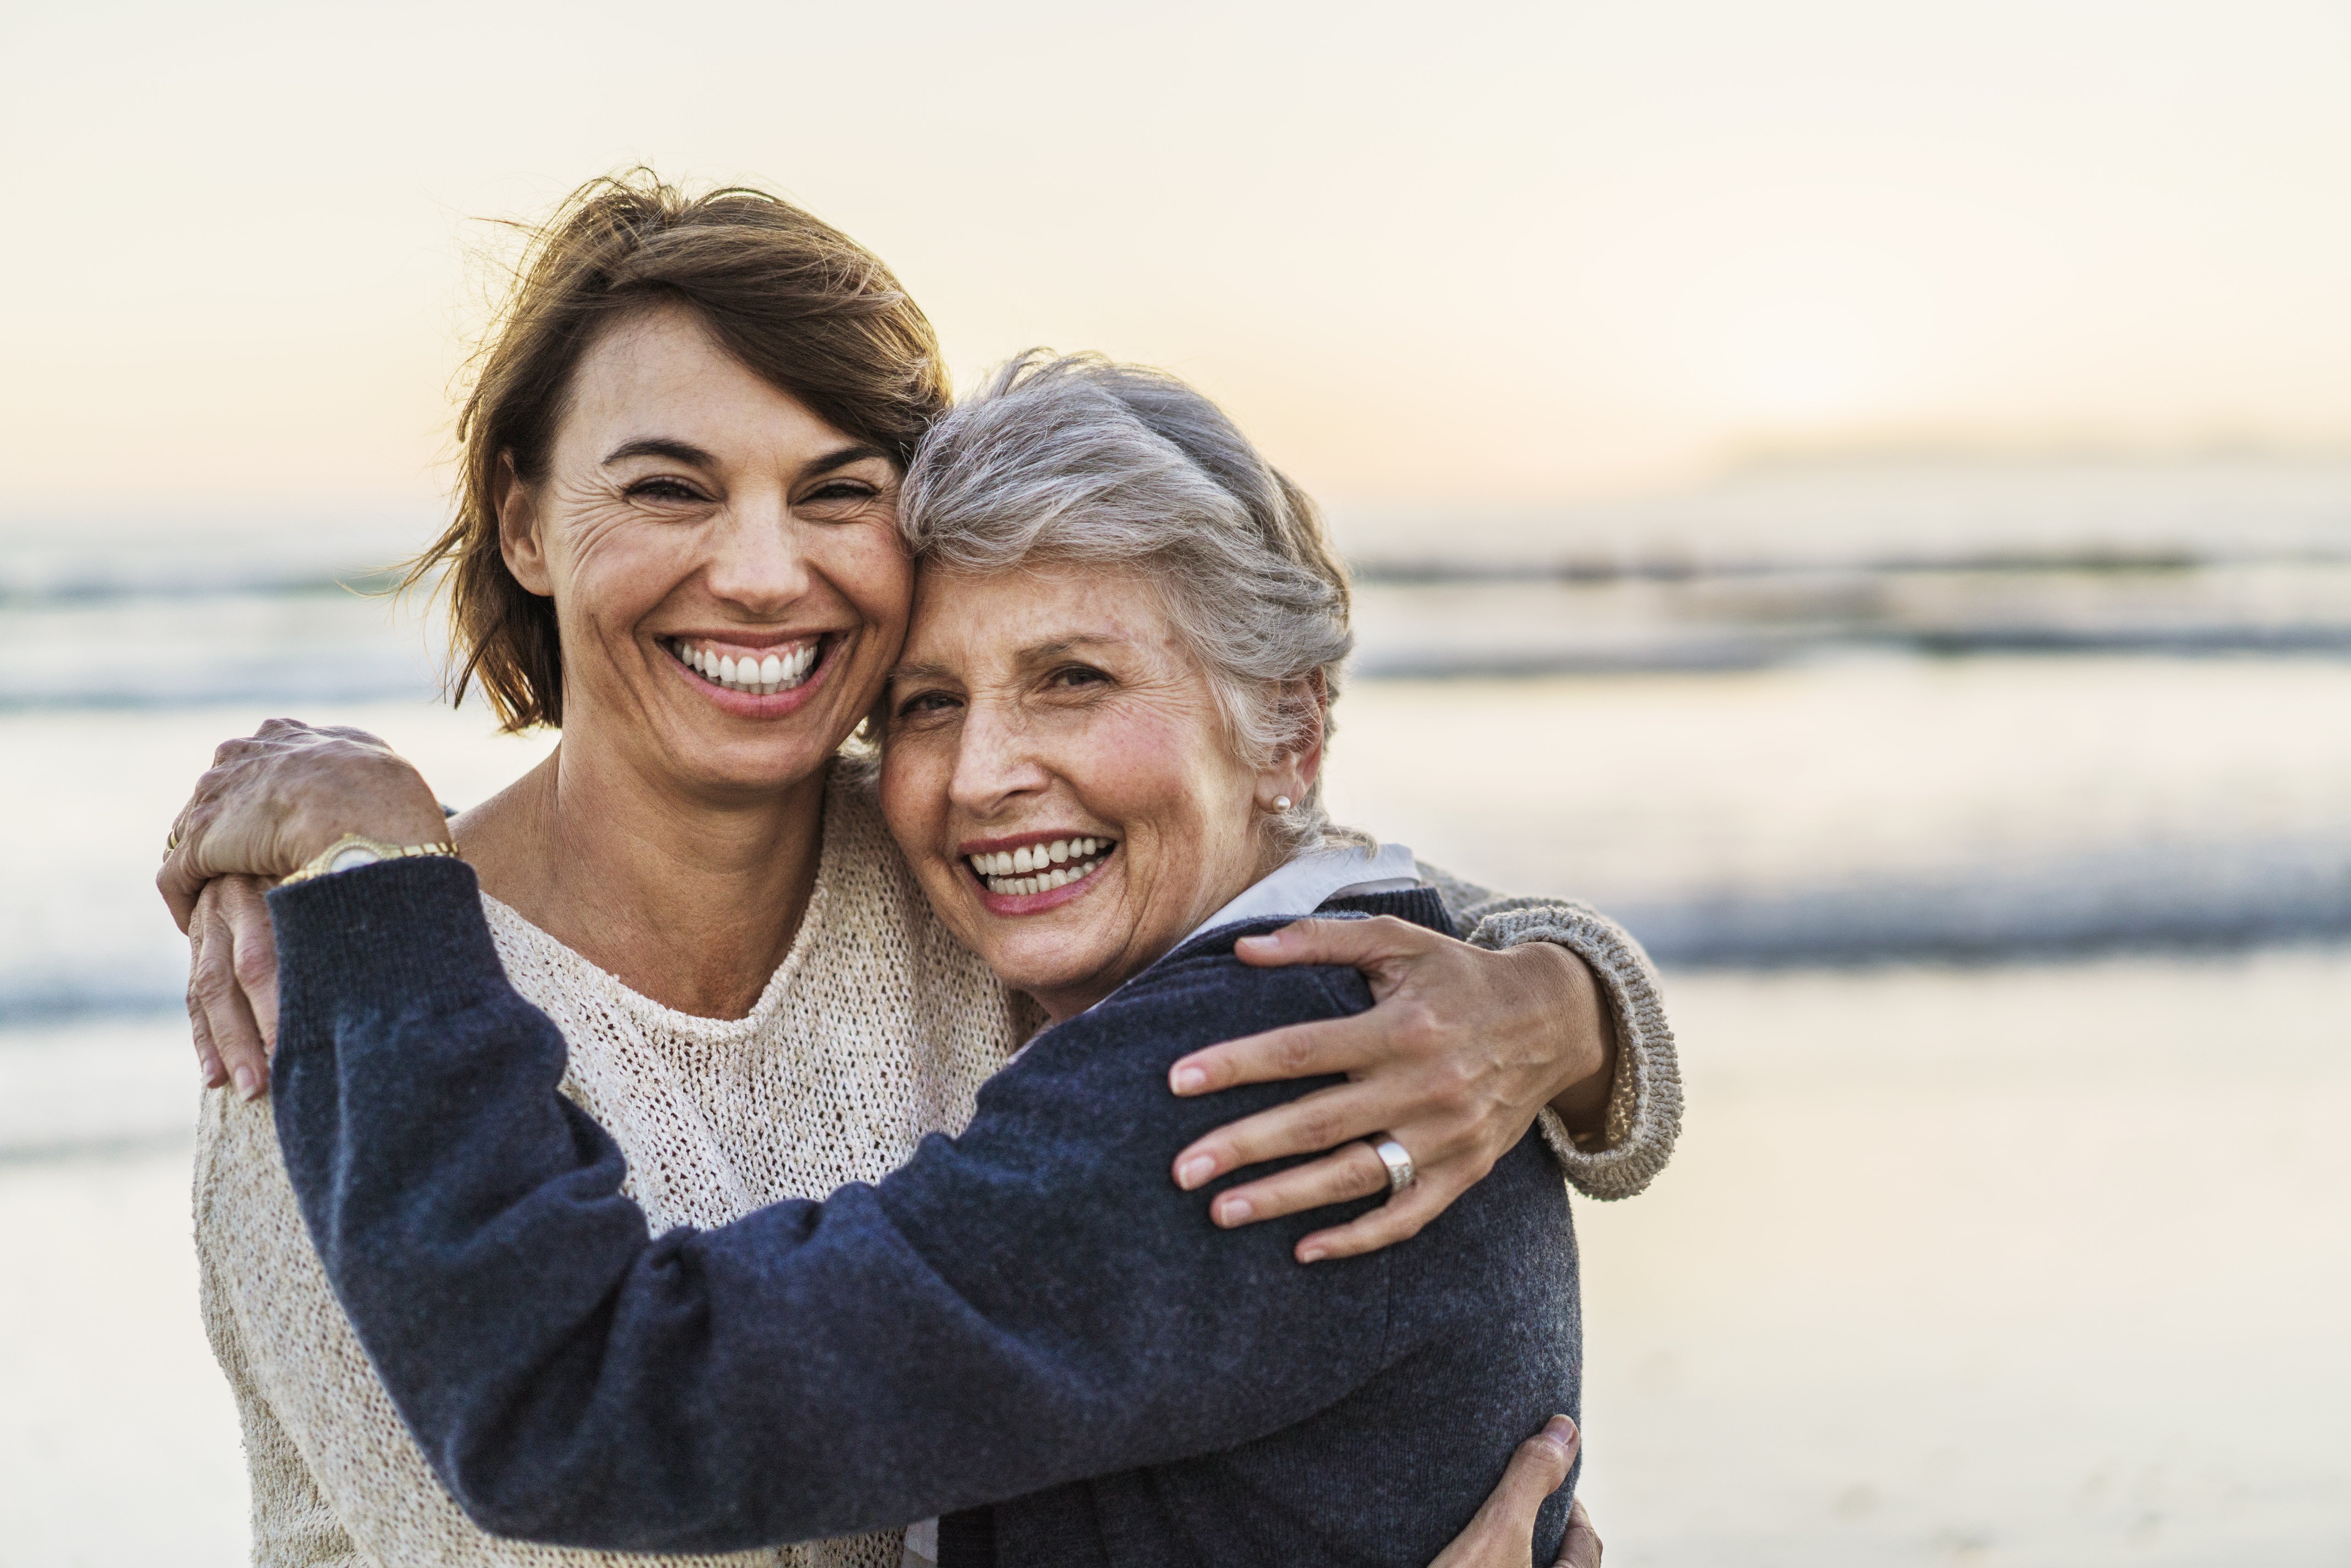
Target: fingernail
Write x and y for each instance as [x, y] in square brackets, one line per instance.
[248, 1082]
[1270, 939]
[1311, 1255]
[1233, 1211]
[1560, 1430]
[1188, 1079]
[1195, 1171]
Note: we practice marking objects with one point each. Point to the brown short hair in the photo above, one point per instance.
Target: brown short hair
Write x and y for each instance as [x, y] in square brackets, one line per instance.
[801, 304]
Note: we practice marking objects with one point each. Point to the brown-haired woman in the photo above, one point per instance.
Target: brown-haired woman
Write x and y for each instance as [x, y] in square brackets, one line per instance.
[676, 537]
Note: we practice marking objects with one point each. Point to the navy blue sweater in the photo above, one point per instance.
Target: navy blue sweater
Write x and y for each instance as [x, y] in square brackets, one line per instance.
[1029, 1316]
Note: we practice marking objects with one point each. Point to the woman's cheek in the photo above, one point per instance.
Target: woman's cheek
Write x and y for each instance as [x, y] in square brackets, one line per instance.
[915, 793]
[868, 563]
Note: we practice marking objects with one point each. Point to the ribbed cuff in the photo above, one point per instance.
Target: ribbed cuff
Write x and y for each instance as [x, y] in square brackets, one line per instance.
[398, 936]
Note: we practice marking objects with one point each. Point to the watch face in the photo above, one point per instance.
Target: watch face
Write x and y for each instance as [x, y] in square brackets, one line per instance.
[352, 858]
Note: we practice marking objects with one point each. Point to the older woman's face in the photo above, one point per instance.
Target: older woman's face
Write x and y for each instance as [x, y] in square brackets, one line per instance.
[1053, 712]
[725, 567]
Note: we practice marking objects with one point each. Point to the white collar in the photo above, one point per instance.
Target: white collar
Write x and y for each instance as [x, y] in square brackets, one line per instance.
[1302, 885]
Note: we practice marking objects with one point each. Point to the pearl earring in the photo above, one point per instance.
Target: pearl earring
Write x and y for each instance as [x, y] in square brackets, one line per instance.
[1282, 802]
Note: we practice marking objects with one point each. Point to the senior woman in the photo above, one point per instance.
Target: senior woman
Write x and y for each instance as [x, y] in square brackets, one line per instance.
[1125, 642]
[681, 462]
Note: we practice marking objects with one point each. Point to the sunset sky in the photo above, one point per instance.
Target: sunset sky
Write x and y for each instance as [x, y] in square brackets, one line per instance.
[1462, 256]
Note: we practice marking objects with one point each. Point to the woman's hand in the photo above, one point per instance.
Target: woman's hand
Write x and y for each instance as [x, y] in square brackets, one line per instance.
[1462, 1050]
[270, 803]
[275, 799]
[233, 984]
[1502, 1535]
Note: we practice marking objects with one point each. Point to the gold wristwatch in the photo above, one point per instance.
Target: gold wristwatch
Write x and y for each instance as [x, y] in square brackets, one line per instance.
[353, 850]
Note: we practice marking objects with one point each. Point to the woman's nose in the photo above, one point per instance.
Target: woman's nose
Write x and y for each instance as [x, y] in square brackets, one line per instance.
[996, 761]
[757, 560]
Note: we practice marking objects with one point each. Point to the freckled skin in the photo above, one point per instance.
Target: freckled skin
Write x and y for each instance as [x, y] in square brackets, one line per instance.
[648, 548]
[994, 732]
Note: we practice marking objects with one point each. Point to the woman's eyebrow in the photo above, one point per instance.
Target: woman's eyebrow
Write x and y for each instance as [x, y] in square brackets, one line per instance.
[842, 458]
[661, 446]
[1036, 652]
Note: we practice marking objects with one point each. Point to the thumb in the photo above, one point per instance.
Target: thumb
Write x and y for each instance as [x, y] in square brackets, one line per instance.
[1505, 1523]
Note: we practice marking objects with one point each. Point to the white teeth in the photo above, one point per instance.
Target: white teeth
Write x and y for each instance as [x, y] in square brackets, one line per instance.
[1031, 869]
[765, 676]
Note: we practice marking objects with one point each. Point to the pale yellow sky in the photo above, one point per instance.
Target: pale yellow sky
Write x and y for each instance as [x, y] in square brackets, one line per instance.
[1463, 256]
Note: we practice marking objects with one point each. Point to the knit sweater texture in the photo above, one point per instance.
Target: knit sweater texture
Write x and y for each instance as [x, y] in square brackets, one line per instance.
[877, 1029]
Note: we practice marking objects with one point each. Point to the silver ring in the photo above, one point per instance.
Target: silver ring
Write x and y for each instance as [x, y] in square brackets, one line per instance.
[1398, 1159]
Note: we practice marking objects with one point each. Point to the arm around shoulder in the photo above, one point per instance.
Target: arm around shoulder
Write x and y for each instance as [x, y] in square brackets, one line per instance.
[1644, 1103]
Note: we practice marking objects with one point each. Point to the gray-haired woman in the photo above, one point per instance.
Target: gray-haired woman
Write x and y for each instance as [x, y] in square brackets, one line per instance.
[1101, 759]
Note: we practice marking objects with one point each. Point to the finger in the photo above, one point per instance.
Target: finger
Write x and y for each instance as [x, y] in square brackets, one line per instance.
[1311, 1124]
[1356, 944]
[211, 982]
[254, 942]
[1581, 1547]
[1338, 1176]
[208, 1061]
[1298, 1051]
[1505, 1523]
[1400, 1218]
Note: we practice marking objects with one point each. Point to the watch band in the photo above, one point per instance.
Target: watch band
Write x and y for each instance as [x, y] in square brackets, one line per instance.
[353, 850]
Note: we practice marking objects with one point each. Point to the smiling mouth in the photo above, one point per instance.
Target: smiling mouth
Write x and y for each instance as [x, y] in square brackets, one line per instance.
[1040, 868]
[779, 669]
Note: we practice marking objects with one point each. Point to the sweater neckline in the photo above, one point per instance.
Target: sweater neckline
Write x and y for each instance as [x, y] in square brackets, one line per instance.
[506, 919]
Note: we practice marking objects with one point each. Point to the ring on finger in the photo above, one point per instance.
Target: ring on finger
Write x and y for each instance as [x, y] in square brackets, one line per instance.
[1398, 1160]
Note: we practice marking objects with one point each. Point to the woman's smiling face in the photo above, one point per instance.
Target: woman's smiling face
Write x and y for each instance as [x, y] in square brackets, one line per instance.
[1054, 710]
[725, 567]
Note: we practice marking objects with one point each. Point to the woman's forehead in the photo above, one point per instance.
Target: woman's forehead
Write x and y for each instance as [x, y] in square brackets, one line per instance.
[1031, 610]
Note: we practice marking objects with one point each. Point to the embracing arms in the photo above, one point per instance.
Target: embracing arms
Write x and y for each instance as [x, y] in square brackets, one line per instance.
[1548, 1006]
[572, 1378]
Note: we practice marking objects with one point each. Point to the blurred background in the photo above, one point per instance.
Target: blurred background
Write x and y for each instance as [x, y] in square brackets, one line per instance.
[1861, 491]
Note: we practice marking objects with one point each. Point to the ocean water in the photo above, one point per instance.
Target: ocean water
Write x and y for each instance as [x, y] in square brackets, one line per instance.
[1994, 827]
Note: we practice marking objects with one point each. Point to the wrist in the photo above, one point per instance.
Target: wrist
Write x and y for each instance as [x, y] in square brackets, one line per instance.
[1573, 1000]
[400, 819]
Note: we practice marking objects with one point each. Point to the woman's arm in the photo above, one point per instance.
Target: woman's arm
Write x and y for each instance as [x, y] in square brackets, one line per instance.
[1026, 1305]
[1557, 1023]
[337, 1479]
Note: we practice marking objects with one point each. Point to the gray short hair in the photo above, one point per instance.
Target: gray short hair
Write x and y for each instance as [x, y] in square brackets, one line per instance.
[1078, 458]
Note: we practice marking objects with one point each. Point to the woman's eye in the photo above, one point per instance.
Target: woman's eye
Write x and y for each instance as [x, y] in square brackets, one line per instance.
[1076, 675]
[927, 705]
[839, 492]
[662, 490]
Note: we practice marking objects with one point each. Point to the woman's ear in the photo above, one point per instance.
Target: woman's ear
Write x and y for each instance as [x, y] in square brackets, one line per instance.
[518, 539]
[1292, 773]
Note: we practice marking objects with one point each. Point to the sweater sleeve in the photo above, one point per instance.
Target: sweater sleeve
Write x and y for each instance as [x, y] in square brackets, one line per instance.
[1645, 1104]
[1027, 1304]
[338, 1482]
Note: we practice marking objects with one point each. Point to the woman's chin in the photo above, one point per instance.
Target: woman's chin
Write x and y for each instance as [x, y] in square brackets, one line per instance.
[1033, 951]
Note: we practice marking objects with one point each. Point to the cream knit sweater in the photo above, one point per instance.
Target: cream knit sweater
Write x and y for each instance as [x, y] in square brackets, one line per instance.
[877, 1029]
